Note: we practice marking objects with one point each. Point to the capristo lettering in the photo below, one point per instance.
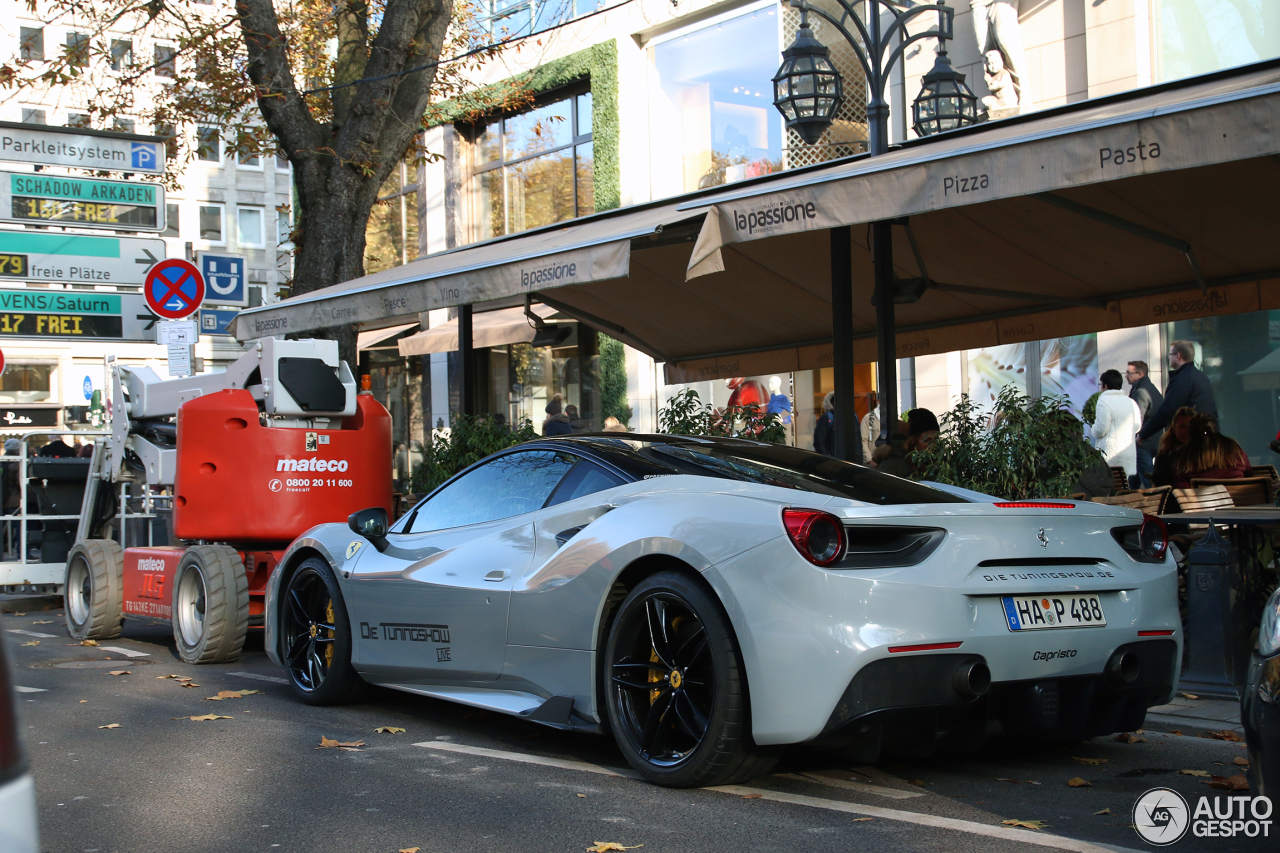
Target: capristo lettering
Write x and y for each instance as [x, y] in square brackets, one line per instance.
[555, 272]
[770, 218]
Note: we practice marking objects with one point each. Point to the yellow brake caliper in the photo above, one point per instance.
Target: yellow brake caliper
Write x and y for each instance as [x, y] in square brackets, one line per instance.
[328, 649]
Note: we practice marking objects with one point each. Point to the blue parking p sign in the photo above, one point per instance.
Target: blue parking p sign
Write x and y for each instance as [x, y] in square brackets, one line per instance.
[226, 278]
[144, 156]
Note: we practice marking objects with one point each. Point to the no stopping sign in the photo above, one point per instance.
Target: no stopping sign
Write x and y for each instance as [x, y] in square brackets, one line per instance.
[174, 289]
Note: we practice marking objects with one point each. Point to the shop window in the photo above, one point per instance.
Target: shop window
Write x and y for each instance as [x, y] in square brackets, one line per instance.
[26, 383]
[1200, 36]
[391, 237]
[530, 169]
[31, 45]
[711, 105]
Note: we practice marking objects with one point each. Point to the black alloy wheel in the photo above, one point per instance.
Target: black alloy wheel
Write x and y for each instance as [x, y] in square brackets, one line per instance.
[315, 636]
[675, 691]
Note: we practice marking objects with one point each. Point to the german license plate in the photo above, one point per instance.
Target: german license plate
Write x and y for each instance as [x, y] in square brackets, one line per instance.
[1035, 612]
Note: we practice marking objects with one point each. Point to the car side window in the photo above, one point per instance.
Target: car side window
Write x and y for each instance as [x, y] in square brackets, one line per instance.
[586, 478]
[510, 485]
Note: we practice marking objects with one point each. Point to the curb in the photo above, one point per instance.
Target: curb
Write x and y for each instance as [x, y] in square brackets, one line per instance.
[23, 603]
[1189, 726]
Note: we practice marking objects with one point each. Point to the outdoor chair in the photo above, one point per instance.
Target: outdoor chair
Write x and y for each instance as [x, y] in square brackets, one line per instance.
[1149, 501]
[1249, 491]
[1266, 471]
[1120, 478]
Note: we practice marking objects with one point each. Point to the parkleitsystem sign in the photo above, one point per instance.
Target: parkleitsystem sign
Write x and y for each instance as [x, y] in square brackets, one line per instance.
[50, 256]
[34, 198]
[75, 315]
[81, 148]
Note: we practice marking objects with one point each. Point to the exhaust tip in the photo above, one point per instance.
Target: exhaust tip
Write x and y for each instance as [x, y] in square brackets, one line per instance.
[1123, 668]
[971, 679]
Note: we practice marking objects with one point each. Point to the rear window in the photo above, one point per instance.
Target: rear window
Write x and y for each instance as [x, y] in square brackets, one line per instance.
[788, 467]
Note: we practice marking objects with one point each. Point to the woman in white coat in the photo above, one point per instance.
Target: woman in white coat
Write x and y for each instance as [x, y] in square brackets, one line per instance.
[1116, 426]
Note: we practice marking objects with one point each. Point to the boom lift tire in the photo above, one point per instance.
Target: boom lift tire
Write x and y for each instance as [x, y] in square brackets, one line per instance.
[94, 590]
[210, 604]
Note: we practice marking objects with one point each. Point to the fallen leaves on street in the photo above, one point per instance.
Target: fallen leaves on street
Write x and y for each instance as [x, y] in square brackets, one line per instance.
[110, 726]
[43, 622]
[744, 796]
[1204, 773]
[583, 796]
[119, 672]
[230, 694]
[330, 743]
[1225, 734]
[203, 718]
[1127, 737]
[861, 819]
[1092, 762]
[1025, 824]
[1188, 696]
[1240, 761]
[1228, 783]
[1104, 811]
[606, 846]
[919, 783]
[1079, 782]
[387, 730]
[88, 642]
[409, 849]
[32, 643]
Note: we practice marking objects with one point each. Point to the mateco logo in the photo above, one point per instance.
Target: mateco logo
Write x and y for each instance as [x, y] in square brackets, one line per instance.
[145, 565]
[311, 465]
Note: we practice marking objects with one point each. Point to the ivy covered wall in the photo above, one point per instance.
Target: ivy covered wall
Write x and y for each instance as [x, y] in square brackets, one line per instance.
[599, 65]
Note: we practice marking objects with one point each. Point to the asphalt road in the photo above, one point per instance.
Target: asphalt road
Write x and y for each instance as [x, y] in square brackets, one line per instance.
[459, 779]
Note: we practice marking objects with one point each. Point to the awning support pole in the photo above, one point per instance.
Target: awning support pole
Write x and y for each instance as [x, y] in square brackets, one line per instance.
[1132, 227]
[886, 326]
[848, 444]
[466, 363]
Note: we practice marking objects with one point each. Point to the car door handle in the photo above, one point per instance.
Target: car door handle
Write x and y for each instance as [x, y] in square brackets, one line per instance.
[565, 535]
[495, 575]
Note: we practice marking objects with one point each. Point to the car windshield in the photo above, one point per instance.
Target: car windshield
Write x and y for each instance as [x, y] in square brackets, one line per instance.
[790, 468]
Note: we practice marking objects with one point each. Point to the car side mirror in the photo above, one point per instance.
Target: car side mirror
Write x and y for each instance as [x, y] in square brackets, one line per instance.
[370, 523]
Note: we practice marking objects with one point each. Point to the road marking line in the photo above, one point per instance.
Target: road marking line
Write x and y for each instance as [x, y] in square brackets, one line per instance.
[29, 633]
[1023, 836]
[273, 679]
[852, 785]
[562, 763]
[126, 652]
[30, 689]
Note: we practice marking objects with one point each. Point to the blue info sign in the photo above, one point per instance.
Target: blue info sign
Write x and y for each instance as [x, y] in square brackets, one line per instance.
[225, 276]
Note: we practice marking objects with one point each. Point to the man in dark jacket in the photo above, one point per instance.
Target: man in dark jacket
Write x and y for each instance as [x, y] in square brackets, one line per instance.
[1148, 397]
[1187, 387]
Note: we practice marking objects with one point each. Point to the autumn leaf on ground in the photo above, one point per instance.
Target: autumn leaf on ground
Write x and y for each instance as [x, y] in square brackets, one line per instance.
[1079, 782]
[1204, 773]
[1176, 732]
[83, 701]
[861, 819]
[1092, 762]
[229, 694]
[605, 846]
[189, 684]
[110, 726]
[330, 743]
[119, 672]
[43, 622]
[32, 643]
[1126, 737]
[583, 796]
[1188, 696]
[744, 796]
[88, 642]
[919, 783]
[1225, 734]
[1025, 824]
[202, 718]
[1104, 811]
[1228, 783]
[387, 730]
[409, 849]
[18, 614]
[1240, 760]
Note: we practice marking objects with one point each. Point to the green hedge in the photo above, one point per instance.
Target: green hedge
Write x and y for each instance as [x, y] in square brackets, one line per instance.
[613, 380]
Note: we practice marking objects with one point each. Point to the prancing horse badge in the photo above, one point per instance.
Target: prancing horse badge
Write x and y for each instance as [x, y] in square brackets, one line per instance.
[1044, 540]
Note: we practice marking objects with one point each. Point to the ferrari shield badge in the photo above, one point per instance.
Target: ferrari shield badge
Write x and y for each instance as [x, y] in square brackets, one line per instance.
[352, 548]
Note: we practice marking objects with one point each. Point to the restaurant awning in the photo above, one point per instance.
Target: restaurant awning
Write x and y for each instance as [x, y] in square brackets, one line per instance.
[372, 338]
[488, 329]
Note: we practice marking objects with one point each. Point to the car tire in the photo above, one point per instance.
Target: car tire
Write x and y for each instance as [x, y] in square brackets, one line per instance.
[315, 637]
[93, 590]
[210, 604]
[671, 652]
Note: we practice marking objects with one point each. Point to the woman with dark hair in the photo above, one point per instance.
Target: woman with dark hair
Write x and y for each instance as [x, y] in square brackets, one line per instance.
[1209, 455]
[1171, 443]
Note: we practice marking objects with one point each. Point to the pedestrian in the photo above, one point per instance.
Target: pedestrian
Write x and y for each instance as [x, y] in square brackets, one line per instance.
[86, 450]
[612, 424]
[1175, 438]
[57, 449]
[824, 432]
[1094, 480]
[1188, 386]
[1148, 397]
[921, 428]
[556, 422]
[1116, 425]
[870, 427]
[1209, 455]
[576, 423]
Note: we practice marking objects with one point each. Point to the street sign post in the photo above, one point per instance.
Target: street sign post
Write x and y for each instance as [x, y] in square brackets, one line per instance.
[215, 322]
[181, 358]
[226, 277]
[177, 332]
[49, 256]
[41, 198]
[174, 289]
[81, 148]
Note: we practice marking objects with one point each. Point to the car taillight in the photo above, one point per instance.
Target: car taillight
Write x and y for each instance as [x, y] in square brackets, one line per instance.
[1153, 537]
[817, 535]
[1032, 505]
[12, 760]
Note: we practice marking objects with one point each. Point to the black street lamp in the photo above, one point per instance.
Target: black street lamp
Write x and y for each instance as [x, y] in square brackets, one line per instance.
[808, 91]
